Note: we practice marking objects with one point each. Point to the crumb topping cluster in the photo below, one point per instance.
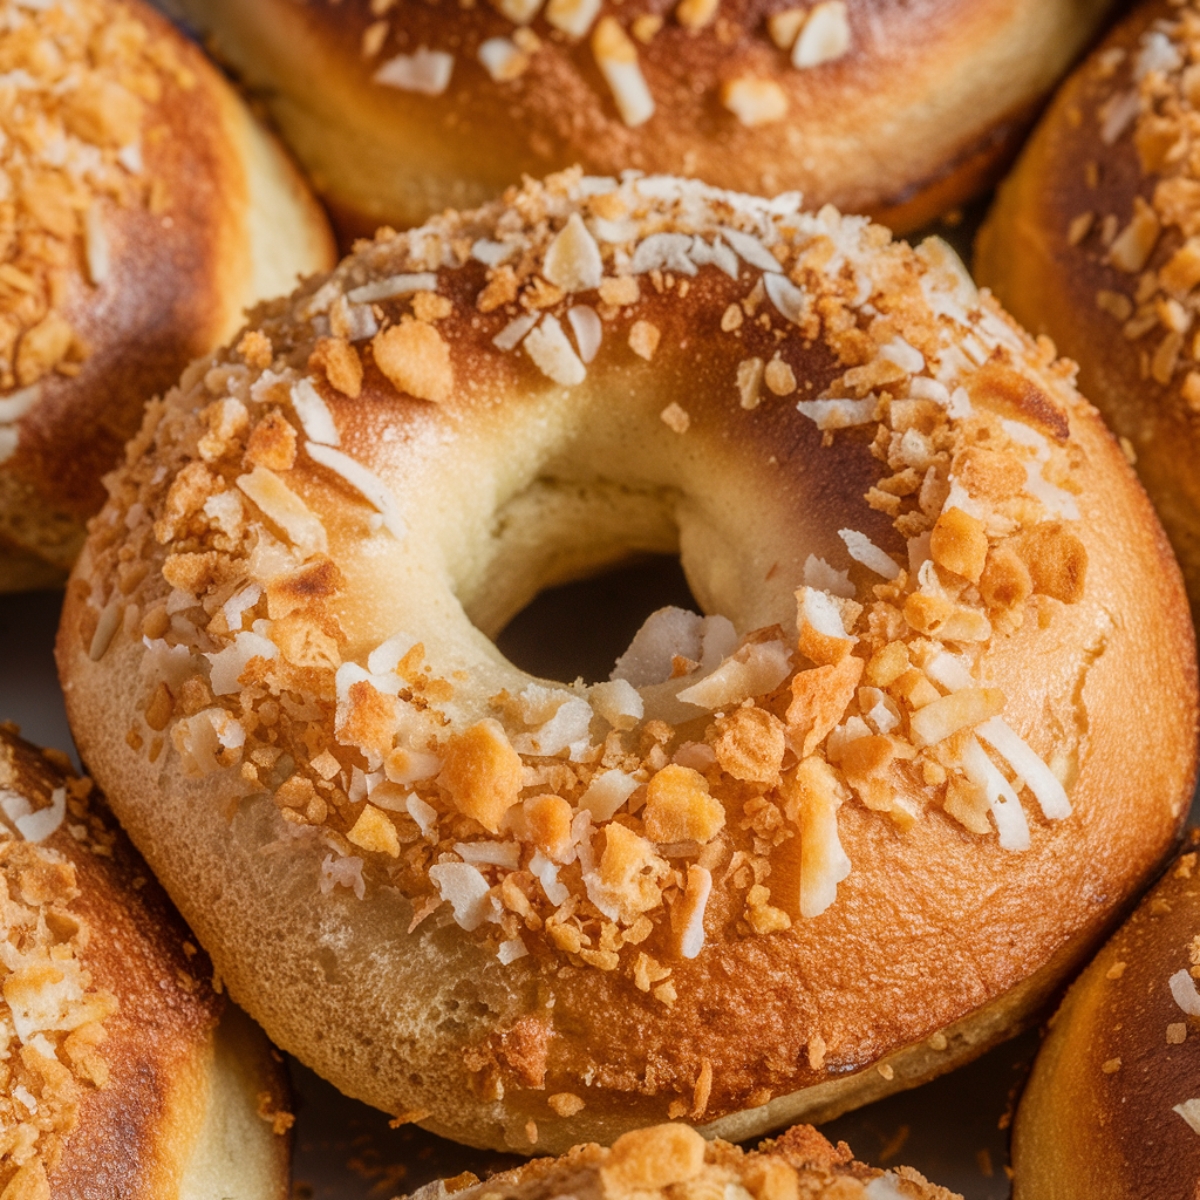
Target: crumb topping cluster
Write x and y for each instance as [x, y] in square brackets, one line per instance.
[1184, 992]
[1152, 96]
[51, 1016]
[805, 36]
[76, 80]
[675, 1161]
[603, 824]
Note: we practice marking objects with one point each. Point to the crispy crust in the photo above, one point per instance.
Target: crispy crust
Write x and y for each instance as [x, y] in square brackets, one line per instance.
[1097, 1116]
[1026, 254]
[774, 1016]
[137, 1134]
[902, 127]
[188, 251]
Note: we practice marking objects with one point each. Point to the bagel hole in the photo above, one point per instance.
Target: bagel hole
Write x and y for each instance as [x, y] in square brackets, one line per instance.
[579, 629]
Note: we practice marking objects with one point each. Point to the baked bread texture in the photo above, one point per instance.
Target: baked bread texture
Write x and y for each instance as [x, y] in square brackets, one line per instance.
[1112, 1109]
[673, 1160]
[124, 1073]
[142, 210]
[400, 110]
[1093, 240]
[832, 839]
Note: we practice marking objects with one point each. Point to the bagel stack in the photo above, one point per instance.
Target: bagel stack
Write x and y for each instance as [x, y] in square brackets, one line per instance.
[768, 871]
[141, 210]
[1093, 241]
[124, 1073]
[1112, 1109]
[667, 1160]
[399, 110]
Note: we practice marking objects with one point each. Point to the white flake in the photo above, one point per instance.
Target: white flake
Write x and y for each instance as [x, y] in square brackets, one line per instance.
[392, 287]
[426, 71]
[364, 481]
[315, 417]
[863, 550]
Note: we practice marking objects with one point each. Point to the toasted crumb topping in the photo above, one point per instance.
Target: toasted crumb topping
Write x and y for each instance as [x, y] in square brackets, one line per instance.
[77, 82]
[51, 1017]
[675, 1161]
[801, 38]
[575, 823]
[1150, 98]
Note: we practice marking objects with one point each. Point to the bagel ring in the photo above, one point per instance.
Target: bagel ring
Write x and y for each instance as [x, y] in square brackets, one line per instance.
[142, 209]
[1113, 1104]
[401, 110]
[500, 904]
[1095, 238]
[124, 1073]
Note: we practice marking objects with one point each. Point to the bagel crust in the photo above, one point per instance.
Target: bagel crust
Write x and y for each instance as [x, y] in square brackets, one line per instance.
[108, 1013]
[143, 211]
[898, 109]
[1090, 239]
[769, 868]
[1112, 1109]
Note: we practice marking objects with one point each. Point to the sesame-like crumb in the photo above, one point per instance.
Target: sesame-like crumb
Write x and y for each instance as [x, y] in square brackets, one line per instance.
[51, 1016]
[1149, 98]
[673, 1159]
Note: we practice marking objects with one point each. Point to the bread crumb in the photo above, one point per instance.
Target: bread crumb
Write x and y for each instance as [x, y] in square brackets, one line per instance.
[566, 1104]
[415, 359]
[675, 418]
[702, 1090]
[816, 1052]
[255, 348]
[644, 339]
[749, 382]
[620, 291]
[339, 360]
[755, 102]
[645, 26]
[696, 14]
[779, 377]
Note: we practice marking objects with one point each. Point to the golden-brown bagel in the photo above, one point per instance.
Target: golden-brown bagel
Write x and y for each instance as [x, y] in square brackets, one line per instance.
[672, 1160]
[1090, 242]
[1112, 1109]
[141, 210]
[121, 1075]
[275, 659]
[899, 110]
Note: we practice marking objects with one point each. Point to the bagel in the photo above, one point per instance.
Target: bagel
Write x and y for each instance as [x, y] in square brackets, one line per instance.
[672, 1159]
[141, 210]
[1089, 241]
[1112, 1108]
[276, 660]
[121, 1076]
[399, 110]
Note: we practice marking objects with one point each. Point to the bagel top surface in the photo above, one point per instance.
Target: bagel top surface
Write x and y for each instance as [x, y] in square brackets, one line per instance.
[1113, 1105]
[673, 1160]
[1095, 239]
[130, 240]
[899, 109]
[106, 1006]
[891, 499]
